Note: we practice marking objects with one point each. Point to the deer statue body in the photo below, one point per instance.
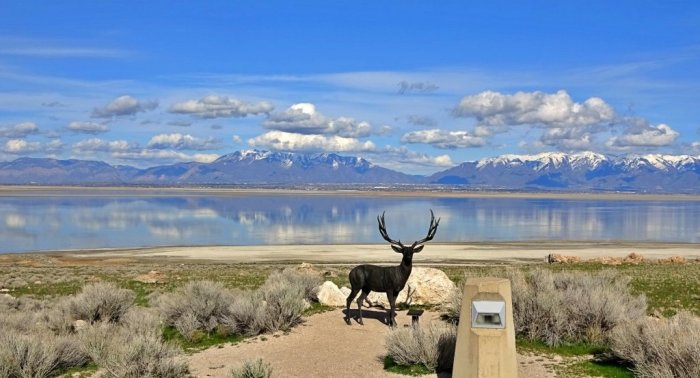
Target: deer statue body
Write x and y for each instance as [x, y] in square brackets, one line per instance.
[389, 280]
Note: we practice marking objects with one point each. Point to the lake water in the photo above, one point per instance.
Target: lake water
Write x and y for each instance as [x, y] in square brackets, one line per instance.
[59, 223]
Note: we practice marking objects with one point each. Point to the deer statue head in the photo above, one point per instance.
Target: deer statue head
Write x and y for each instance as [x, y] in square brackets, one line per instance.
[408, 250]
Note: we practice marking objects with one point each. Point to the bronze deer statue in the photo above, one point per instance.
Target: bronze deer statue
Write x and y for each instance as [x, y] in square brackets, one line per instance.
[389, 280]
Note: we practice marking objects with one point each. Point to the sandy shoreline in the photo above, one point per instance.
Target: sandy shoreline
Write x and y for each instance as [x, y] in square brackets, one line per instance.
[72, 191]
[452, 253]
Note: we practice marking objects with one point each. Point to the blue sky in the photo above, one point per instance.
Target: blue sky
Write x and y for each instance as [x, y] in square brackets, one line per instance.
[414, 86]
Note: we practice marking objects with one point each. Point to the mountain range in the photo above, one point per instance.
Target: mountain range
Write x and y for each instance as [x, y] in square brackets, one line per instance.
[580, 172]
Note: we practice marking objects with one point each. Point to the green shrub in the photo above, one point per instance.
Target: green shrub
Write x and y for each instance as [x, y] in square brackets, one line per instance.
[432, 346]
[661, 348]
[254, 369]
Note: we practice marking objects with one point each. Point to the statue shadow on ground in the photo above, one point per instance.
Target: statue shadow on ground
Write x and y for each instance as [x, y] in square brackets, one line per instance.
[354, 315]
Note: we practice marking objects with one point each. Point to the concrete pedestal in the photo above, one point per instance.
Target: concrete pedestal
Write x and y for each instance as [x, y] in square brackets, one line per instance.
[486, 336]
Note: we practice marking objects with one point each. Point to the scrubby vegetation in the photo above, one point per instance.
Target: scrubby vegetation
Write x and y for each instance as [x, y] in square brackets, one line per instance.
[198, 307]
[595, 312]
[661, 348]
[204, 307]
[133, 348]
[43, 339]
[252, 369]
[568, 307]
[572, 307]
[37, 355]
[432, 346]
[57, 313]
[102, 301]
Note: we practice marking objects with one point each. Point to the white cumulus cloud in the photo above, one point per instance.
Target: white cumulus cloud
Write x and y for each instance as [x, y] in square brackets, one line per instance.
[303, 118]
[219, 107]
[572, 138]
[645, 136]
[444, 139]
[19, 130]
[179, 141]
[283, 141]
[88, 127]
[124, 105]
[99, 145]
[534, 108]
[20, 146]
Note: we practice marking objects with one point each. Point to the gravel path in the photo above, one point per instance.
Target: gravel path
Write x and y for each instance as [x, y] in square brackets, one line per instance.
[325, 346]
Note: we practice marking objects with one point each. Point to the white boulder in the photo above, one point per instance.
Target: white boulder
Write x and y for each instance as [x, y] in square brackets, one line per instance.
[330, 295]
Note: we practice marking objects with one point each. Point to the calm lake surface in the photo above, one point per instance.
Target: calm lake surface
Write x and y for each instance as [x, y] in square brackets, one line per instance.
[65, 222]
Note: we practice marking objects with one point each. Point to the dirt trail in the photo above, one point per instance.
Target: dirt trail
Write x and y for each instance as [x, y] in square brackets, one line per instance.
[324, 346]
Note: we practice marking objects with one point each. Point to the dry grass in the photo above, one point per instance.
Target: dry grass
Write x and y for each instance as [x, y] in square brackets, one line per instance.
[661, 348]
[431, 346]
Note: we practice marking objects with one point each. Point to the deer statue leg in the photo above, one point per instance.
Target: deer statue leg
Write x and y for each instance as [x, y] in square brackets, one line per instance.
[361, 299]
[352, 295]
[392, 308]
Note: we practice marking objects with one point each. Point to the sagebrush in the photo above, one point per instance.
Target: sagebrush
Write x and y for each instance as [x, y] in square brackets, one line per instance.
[205, 307]
[102, 301]
[199, 306]
[252, 369]
[432, 346]
[661, 348]
[569, 307]
[132, 349]
[37, 354]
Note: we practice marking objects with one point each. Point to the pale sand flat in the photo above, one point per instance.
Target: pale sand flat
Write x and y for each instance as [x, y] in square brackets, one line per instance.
[432, 254]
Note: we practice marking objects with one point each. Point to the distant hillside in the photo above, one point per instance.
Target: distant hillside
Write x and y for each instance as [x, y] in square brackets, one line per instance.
[246, 167]
[60, 172]
[582, 172]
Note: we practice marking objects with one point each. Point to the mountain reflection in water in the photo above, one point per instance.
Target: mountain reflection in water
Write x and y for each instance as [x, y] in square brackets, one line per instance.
[59, 223]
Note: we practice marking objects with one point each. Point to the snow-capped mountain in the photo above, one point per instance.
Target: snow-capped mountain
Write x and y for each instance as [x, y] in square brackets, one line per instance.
[580, 172]
[264, 167]
[585, 171]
